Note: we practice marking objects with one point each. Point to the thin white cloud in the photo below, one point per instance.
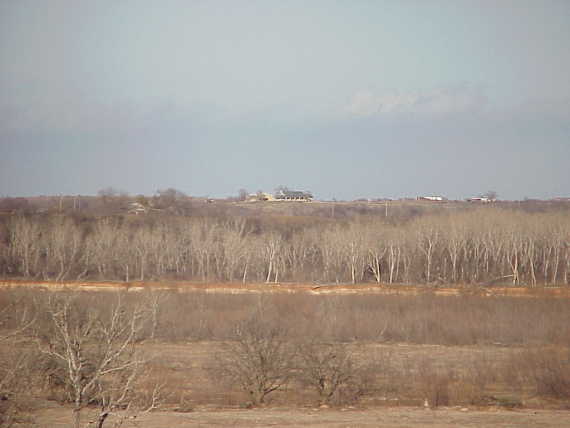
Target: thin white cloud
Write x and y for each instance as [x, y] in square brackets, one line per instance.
[549, 106]
[457, 99]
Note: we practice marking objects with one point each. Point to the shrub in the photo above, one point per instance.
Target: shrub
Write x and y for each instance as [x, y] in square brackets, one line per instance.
[259, 360]
[332, 371]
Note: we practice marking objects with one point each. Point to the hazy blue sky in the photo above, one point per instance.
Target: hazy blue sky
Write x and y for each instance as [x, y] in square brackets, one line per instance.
[346, 98]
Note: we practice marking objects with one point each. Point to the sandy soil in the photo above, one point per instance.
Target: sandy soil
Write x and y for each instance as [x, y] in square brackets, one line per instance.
[288, 288]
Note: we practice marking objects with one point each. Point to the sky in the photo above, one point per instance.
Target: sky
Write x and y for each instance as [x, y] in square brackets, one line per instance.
[347, 99]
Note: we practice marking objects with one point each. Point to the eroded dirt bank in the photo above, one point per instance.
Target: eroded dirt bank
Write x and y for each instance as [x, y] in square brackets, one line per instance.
[336, 289]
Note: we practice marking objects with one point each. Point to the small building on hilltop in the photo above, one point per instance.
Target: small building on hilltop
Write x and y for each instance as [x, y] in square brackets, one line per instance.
[137, 208]
[431, 198]
[481, 199]
[293, 195]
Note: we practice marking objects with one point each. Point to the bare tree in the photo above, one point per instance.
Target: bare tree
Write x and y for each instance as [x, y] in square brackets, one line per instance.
[62, 244]
[331, 245]
[377, 250]
[242, 194]
[234, 247]
[112, 199]
[97, 354]
[272, 250]
[24, 235]
[332, 371]
[428, 235]
[260, 361]
[171, 199]
[205, 235]
[455, 239]
[155, 301]
[481, 245]
[354, 253]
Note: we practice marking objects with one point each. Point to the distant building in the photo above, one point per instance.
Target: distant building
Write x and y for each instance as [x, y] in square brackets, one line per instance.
[137, 208]
[293, 195]
[281, 195]
[480, 199]
[431, 198]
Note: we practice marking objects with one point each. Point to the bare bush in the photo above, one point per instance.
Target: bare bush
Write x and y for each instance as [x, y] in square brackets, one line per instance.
[332, 371]
[547, 369]
[259, 361]
[14, 369]
[434, 383]
[17, 317]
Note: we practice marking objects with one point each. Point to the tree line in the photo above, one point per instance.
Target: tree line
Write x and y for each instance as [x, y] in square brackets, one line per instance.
[481, 246]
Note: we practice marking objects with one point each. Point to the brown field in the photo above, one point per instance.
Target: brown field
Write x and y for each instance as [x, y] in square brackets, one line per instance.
[480, 351]
[392, 417]
[196, 401]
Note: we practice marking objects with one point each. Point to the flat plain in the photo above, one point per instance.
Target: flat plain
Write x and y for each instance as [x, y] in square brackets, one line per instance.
[487, 378]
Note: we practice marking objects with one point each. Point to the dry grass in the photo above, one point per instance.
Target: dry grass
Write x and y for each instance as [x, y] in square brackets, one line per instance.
[469, 351]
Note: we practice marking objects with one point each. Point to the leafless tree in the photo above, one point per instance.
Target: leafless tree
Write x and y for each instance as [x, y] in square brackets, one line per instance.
[272, 250]
[112, 199]
[428, 235]
[234, 243]
[331, 247]
[155, 300]
[482, 245]
[242, 194]
[100, 249]
[205, 237]
[455, 239]
[259, 361]
[332, 371]
[24, 237]
[62, 245]
[97, 354]
[377, 250]
[354, 252]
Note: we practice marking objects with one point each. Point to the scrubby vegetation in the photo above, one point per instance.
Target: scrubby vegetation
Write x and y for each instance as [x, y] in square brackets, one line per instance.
[104, 353]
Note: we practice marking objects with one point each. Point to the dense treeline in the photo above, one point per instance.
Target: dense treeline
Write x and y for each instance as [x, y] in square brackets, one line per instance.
[472, 247]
